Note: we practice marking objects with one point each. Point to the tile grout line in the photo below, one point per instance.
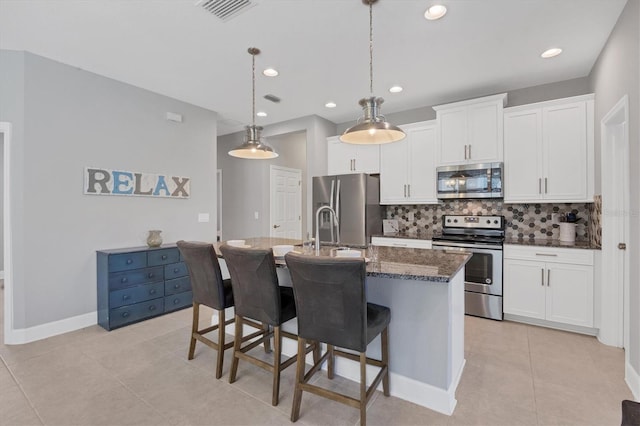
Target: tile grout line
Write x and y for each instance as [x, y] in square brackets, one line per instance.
[533, 380]
[15, 379]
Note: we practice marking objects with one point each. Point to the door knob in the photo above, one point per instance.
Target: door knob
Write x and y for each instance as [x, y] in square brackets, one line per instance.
[622, 246]
[276, 226]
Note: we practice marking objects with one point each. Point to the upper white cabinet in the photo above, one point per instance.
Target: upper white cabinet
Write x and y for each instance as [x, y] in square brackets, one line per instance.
[471, 131]
[407, 168]
[344, 158]
[548, 151]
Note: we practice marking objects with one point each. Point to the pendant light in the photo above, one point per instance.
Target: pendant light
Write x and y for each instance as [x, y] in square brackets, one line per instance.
[372, 128]
[253, 148]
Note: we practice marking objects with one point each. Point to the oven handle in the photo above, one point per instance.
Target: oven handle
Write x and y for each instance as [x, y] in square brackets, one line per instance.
[444, 245]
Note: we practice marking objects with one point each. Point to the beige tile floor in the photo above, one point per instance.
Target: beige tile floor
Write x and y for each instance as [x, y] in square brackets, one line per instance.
[515, 375]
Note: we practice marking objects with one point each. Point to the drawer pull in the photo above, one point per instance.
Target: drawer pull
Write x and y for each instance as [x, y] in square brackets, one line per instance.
[164, 257]
[129, 261]
[176, 286]
[399, 245]
[150, 275]
[125, 314]
[547, 254]
[124, 280]
[542, 277]
[152, 291]
[548, 277]
[176, 301]
[176, 270]
[125, 297]
[152, 307]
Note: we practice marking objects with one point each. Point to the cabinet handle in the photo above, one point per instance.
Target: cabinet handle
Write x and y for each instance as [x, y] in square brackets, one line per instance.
[354, 164]
[545, 186]
[548, 277]
[465, 152]
[405, 190]
[539, 185]
[469, 151]
[542, 277]
[164, 257]
[399, 245]
[409, 190]
[547, 254]
[129, 261]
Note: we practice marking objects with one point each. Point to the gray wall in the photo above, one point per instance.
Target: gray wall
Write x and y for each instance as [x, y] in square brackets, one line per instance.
[615, 74]
[1, 202]
[545, 92]
[246, 182]
[65, 119]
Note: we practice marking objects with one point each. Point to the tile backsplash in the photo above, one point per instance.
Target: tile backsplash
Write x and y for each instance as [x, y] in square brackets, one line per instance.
[529, 221]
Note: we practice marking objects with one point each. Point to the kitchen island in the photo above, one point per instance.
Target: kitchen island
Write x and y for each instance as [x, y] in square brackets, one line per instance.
[425, 291]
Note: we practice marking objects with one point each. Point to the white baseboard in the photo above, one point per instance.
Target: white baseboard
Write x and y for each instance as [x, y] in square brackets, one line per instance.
[38, 332]
[632, 378]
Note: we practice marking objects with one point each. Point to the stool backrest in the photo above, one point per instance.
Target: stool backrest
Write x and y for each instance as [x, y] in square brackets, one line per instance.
[254, 282]
[204, 272]
[330, 299]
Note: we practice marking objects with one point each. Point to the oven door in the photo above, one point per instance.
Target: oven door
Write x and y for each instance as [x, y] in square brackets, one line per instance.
[483, 272]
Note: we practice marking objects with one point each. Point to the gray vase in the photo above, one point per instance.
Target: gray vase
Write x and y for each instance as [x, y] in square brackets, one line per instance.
[154, 239]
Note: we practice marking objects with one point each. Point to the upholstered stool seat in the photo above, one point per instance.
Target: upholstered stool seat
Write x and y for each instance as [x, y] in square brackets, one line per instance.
[332, 308]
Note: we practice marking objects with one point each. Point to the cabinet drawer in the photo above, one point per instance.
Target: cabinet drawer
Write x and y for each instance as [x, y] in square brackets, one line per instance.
[121, 280]
[132, 313]
[175, 270]
[401, 242]
[549, 254]
[177, 301]
[178, 285]
[136, 294]
[126, 261]
[163, 256]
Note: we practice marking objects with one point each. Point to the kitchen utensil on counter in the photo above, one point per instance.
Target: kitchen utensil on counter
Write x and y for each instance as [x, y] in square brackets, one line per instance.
[567, 232]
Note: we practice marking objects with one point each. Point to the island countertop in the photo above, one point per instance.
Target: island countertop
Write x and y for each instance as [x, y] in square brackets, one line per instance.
[393, 262]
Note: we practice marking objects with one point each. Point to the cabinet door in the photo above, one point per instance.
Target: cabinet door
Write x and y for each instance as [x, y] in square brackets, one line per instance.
[340, 157]
[524, 290]
[422, 164]
[393, 172]
[367, 159]
[523, 155]
[570, 294]
[565, 152]
[453, 135]
[485, 133]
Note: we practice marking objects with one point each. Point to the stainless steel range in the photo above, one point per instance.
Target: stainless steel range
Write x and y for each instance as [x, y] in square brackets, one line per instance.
[483, 237]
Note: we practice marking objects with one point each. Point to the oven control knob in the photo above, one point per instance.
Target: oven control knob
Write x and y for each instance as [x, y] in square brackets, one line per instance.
[495, 221]
[455, 220]
[488, 221]
[448, 220]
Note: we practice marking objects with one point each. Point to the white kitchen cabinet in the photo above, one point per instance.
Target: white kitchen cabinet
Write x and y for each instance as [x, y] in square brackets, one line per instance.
[548, 151]
[471, 131]
[551, 284]
[401, 242]
[407, 168]
[345, 158]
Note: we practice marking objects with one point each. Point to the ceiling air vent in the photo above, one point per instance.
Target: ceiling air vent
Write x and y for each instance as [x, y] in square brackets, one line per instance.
[226, 9]
[272, 98]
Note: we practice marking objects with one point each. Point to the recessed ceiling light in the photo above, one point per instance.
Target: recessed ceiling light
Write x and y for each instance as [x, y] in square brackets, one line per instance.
[551, 53]
[396, 89]
[436, 11]
[330, 105]
[270, 72]
[261, 114]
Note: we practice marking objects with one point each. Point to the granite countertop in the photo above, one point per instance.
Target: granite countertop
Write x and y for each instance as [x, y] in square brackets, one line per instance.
[393, 262]
[580, 244]
[409, 236]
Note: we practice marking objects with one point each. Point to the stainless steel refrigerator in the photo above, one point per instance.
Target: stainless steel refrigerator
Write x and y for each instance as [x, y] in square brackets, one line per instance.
[356, 201]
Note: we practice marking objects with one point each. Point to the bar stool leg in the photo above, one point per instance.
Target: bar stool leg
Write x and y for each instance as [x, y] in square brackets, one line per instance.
[194, 329]
[363, 388]
[385, 360]
[237, 339]
[220, 359]
[297, 393]
[331, 362]
[316, 352]
[267, 341]
[277, 342]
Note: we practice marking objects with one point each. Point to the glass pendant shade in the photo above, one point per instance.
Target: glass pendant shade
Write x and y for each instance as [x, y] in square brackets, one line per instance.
[373, 130]
[253, 148]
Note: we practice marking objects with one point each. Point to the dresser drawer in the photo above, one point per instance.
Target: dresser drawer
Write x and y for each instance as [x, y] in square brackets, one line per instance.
[163, 256]
[121, 280]
[175, 270]
[136, 294]
[132, 313]
[126, 261]
[178, 285]
[177, 301]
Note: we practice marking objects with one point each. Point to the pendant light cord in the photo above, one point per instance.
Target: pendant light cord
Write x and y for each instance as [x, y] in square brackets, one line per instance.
[253, 94]
[371, 47]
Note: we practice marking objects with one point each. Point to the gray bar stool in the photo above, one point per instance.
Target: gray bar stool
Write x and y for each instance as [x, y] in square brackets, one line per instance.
[209, 289]
[259, 299]
[332, 308]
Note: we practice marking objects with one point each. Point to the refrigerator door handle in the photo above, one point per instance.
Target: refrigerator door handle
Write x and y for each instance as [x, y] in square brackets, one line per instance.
[337, 215]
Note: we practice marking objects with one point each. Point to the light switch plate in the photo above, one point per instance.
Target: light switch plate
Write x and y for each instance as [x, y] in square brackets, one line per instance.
[203, 217]
[389, 226]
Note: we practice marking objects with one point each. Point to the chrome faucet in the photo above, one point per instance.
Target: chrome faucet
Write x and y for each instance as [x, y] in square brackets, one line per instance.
[335, 218]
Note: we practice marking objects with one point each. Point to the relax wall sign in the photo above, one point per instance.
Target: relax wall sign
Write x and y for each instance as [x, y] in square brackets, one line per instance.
[118, 182]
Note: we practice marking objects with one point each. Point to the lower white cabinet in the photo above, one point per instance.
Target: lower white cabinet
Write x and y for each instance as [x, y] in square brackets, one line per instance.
[400, 242]
[551, 284]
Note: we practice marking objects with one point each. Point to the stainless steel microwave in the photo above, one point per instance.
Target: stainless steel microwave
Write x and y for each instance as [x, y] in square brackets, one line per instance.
[470, 181]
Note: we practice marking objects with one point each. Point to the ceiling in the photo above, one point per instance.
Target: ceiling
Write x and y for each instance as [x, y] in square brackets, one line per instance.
[320, 48]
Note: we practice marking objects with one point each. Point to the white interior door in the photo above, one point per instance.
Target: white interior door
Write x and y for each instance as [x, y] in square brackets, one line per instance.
[614, 291]
[286, 202]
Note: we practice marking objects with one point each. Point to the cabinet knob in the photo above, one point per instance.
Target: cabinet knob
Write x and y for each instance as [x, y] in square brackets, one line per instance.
[164, 257]
[152, 291]
[129, 261]
[152, 307]
[176, 286]
[150, 275]
[176, 301]
[622, 246]
[125, 297]
[124, 280]
[125, 314]
[176, 270]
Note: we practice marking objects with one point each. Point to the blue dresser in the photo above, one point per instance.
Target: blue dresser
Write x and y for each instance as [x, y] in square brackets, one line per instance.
[138, 283]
